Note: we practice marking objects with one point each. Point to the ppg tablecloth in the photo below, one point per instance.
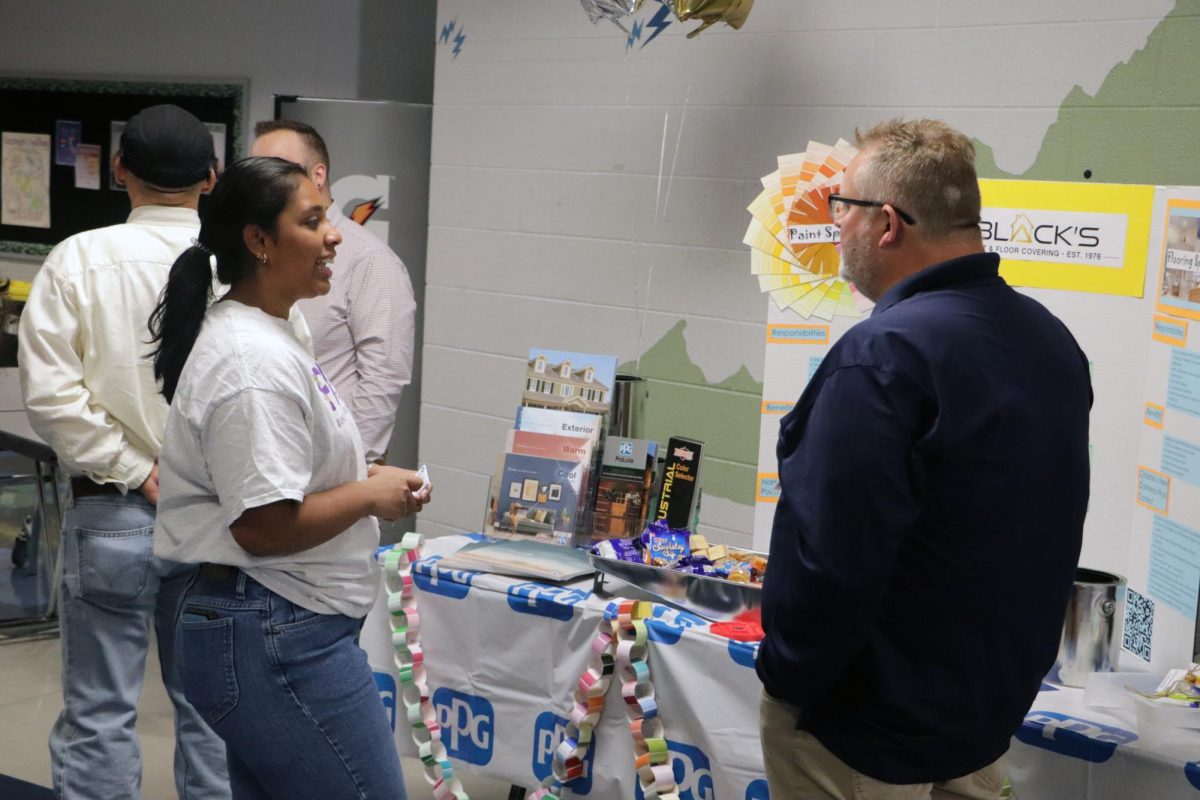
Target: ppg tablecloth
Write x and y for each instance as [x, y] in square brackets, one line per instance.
[503, 657]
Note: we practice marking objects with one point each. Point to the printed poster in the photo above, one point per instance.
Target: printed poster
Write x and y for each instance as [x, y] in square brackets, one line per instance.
[67, 136]
[87, 166]
[1084, 237]
[1179, 266]
[25, 179]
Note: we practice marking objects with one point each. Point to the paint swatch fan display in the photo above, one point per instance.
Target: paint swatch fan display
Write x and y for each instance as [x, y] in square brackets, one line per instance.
[793, 239]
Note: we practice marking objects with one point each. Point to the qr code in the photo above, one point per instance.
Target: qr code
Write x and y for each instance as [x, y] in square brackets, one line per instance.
[1139, 625]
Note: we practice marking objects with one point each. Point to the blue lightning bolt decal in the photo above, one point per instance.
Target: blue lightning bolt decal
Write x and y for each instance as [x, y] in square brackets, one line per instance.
[635, 33]
[658, 22]
[447, 29]
[458, 42]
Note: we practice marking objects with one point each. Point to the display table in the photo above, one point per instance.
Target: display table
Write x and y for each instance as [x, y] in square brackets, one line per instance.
[1067, 749]
[503, 656]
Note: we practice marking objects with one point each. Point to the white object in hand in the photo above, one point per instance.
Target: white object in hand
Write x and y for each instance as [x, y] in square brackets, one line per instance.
[423, 493]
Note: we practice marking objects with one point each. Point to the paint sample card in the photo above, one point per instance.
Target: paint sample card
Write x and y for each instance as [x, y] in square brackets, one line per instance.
[794, 239]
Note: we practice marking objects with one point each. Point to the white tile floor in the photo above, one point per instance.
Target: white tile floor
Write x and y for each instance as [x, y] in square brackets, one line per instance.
[30, 699]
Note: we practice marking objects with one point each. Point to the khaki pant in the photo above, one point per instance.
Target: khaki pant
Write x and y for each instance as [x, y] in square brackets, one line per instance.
[800, 768]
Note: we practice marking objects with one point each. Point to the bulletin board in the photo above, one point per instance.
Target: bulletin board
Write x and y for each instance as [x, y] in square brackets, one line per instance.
[43, 198]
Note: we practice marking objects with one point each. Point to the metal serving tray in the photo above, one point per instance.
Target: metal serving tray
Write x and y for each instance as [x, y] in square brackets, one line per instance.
[715, 599]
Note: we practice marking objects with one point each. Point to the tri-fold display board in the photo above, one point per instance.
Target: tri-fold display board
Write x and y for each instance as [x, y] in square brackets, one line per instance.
[1120, 265]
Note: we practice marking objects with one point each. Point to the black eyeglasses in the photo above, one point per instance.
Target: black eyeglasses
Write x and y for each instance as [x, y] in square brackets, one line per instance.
[838, 206]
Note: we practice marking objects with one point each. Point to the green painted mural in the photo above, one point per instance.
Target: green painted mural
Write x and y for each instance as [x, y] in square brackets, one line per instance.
[1142, 126]
[725, 415]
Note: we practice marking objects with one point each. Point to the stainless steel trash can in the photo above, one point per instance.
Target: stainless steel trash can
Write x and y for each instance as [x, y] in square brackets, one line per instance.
[1091, 637]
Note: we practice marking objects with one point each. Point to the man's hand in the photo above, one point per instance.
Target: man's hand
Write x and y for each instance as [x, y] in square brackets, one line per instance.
[149, 487]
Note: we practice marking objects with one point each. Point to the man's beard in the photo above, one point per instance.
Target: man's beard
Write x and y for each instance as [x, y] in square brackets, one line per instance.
[860, 267]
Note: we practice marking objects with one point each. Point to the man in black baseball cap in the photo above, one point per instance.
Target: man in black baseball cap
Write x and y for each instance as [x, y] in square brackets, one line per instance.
[90, 393]
[168, 148]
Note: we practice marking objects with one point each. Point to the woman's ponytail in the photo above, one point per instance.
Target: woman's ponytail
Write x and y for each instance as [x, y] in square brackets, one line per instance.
[177, 318]
[253, 191]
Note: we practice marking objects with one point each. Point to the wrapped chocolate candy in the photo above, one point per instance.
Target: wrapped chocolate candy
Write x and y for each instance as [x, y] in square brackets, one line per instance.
[740, 572]
[618, 550]
[664, 546]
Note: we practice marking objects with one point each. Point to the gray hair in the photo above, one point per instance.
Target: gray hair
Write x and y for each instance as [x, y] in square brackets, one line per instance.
[926, 168]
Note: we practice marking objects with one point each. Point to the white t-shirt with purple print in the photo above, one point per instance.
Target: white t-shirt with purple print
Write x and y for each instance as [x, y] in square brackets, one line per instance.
[255, 421]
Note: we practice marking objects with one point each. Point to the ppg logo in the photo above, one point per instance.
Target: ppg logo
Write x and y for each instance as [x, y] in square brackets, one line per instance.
[453, 583]
[468, 725]
[556, 602]
[693, 773]
[669, 624]
[1071, 736]
[386, 685]
[625, 449]
[547, 733]
[757, 790]
[743, 653]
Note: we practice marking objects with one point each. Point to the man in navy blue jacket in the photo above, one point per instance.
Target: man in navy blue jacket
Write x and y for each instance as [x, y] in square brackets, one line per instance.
[934, 484]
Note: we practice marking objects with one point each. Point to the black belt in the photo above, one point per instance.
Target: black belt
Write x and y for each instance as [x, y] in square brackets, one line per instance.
[219, 572]
[86, 487]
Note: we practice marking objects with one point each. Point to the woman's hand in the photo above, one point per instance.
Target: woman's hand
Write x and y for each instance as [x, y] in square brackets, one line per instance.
[393, 491]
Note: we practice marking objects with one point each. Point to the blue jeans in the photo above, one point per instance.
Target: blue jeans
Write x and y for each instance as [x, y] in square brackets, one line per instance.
[290, 692]
[113, 587]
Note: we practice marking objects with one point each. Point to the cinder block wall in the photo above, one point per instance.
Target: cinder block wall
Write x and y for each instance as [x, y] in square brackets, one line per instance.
[589, 187]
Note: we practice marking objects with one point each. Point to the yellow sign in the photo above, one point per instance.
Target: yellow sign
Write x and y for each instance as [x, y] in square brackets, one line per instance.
[1084, 237]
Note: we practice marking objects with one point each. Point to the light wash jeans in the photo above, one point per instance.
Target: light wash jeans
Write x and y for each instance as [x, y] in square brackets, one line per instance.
[113, 587]
[290, 692]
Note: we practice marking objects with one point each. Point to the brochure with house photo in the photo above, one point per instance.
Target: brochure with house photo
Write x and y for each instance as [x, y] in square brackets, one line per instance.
[559, 423]
[569, 381]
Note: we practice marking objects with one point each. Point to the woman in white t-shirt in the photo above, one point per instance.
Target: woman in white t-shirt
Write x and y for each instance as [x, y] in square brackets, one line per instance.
[264, 484]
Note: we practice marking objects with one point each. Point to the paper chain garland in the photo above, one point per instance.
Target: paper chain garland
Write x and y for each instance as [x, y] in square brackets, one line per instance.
[410, 660]
[620, 646]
